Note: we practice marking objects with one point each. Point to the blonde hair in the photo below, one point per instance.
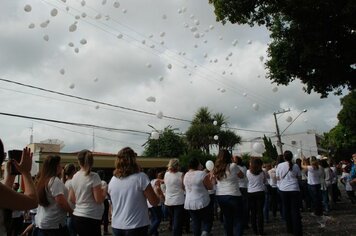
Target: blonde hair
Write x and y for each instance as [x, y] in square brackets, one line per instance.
[173, 164]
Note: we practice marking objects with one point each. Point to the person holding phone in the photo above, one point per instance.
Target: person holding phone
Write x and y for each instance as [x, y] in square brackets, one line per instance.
[10, 199]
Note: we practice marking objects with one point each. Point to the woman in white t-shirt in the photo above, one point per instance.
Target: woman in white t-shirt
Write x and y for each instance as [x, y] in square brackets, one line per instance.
[53, 205]
[196, 184]
[256, 194]
[88, 196]
[228, 192]
[288, 175]
[174, 195]
[129, 190]
[68, 173]
[315, 174]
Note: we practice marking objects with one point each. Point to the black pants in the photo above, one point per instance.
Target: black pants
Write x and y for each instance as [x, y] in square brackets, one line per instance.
[87, 226]
[62, 231]
[256, 202]
[291, 206]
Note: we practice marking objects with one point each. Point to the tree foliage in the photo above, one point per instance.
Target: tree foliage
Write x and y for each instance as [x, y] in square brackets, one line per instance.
[199, 154]
[169, 144]
[200, 135]
[341, 140]
[271, 153]
[311, 40]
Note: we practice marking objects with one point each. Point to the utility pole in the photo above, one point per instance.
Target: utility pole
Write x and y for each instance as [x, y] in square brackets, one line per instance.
[279, 143]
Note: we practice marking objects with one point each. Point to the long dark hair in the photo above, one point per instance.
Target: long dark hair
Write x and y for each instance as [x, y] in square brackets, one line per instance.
[48, 170]
[288, 156]
[86, 160]
[223, 159]
[68, 171]
[125, 163]
[256, 165]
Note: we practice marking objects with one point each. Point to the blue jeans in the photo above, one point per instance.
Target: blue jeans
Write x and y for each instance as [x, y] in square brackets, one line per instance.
[142, 231]
[70, 225]
[291, 206]
[156, 217]
[245, 209]
[316, 198]
[231, 207]
[200, 220]
[176, 212]
[256, 202]
[325, 197]
[267, 203]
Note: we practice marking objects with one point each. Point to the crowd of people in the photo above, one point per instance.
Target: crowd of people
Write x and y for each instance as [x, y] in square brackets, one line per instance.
[64, 200]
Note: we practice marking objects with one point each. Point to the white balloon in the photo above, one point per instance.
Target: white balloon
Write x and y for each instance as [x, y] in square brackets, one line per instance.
[255, 106]
[62, 71]
[44, 24]
[143, 41]
[83, 41]
[72, 27]
[116, 4]
[215, 60]
[76, 50]
[258, 148]
[234, 43]
[196, 35]
[31, 26]
[196, 22]
[169, 66]
[148, 65]
[209, 165]
[223, 90]
[46, 37]
[162, 34]
[77, 17]
[124, 11]
[220, 37]
[215, 122]
[152, 46]
[211, 27]
[119, 36]
[299, 150]
[244, 94]
[82, 3]
[249, 42]
[103, 2]
[84, 14]
[216, 137]
[97, 107]
[261, 58]
[96, 79]
[159, 114]
[98, 16]
[164, 16]
[193, 28]
[27, 8]
[71, 86]
[151, 99]
[154, 135]
[54, 12]
[205, 55]
[179, 11]
[70, 44]
[275, 89]
[161, 42]
[160, 78]
[289, 119]
[205, 41]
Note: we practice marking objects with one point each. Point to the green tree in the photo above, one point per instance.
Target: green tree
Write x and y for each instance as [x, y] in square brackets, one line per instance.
[341, 140]
[228, 139]
[197, 153]
[271, 150]
[169, 144]
[311, 40]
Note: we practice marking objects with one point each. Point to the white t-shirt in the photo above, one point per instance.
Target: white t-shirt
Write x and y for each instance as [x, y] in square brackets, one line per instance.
[288, 178]
[68, 185]
[229, 185]
[85, 205]
[256, 183]
[196, 195]
[272, 178]
[129, 206]
[174, 188]
[314, 175]
[153, 184]
[52, 216]
[243, 181]
[347, 178]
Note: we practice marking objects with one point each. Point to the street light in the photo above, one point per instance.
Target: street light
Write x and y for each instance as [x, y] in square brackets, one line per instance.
[279, 144]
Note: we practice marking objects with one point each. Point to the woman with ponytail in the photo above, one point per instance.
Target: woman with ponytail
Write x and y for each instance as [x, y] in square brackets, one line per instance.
[52, 194]
[88, 196]
[288, 175]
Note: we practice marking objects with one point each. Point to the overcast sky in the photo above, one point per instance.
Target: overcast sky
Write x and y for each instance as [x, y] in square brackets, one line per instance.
[123, 52]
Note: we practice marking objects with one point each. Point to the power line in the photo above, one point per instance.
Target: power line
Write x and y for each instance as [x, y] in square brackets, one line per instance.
[76, 124]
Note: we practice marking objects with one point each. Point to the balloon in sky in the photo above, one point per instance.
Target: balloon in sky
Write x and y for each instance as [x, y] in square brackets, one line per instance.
[116, 4]
[289, 119]
[216, 137]
[72, 27]
[62, 71]
[82, 3]
[70, 44]
[169, 66]
[209, 165]
[249, 42]
[162, 34]
[124, 11]
[275, 89]
[71, 86]
[255, 106]
[159, 114]
[261, 58]
[211, 27]
[160, 78]
[258, 148]
[31, 26]
[76, 50]
[244, 94]
[164, 16]
[27, 8]
[98, 16]
[151, 99]
[84, 14]
[44, 24]
[46, 37]
[215, 122]
[54, 12]
[83, 41]
[148, 65]
[154, 135]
